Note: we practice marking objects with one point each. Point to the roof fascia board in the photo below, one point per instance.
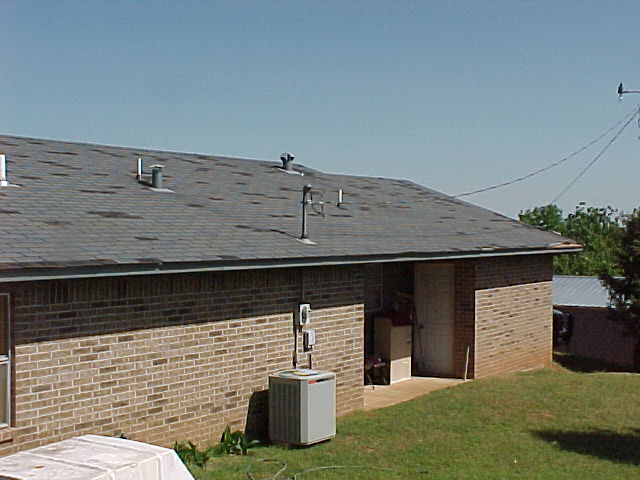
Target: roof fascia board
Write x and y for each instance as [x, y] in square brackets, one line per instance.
[116, 270]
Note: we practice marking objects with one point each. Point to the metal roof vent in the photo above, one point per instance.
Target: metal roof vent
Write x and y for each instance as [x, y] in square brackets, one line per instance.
[156, 177]
[3, 171]
[287, 161]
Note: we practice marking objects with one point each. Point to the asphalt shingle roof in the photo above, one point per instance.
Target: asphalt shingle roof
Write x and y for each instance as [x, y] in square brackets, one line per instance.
[79, 204]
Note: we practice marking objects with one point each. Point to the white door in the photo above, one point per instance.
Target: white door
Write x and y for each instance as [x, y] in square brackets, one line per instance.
[433, 346]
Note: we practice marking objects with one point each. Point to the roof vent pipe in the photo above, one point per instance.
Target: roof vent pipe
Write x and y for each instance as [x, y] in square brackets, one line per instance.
[140, 170]
[307, 199]
[3, 171]
[156, 176]
[287, 160]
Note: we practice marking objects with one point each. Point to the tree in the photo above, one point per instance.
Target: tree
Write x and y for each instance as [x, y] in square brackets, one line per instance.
[547, 217]
[597, 230]
[594, 227]
[625, 289]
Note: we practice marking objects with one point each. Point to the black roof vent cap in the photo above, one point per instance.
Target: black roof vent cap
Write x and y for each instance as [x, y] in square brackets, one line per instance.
[287, 161]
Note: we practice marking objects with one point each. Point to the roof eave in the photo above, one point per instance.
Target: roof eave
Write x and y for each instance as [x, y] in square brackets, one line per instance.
[155, 268]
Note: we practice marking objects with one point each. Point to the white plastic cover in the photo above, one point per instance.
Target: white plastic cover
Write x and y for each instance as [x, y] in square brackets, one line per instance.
[93, 457]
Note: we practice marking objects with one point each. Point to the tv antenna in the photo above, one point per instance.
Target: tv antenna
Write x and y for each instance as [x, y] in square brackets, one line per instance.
[622, 91]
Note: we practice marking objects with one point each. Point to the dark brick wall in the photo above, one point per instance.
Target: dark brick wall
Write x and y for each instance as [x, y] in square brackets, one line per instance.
[464, 318]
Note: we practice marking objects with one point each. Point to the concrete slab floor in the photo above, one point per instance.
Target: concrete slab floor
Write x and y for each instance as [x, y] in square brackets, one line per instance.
[379, 396]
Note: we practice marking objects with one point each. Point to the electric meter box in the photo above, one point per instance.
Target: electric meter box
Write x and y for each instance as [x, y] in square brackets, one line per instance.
[302, 406]
[303, 314]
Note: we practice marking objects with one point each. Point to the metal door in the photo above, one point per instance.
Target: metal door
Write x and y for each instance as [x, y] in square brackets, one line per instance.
[433, 348]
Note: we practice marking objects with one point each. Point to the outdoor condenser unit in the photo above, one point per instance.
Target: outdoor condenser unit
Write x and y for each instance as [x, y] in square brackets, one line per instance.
[302, 406]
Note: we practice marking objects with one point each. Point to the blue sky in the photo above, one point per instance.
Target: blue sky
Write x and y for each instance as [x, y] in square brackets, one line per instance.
[453, 95]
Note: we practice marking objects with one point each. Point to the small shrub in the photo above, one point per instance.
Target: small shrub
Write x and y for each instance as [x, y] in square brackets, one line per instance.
[232, 443]
[235, 443]
[189, 454]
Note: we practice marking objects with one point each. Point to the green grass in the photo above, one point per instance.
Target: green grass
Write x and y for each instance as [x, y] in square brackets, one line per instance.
[549, 424]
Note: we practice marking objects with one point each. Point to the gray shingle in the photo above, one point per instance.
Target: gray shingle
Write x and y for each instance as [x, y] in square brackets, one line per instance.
[80, 202]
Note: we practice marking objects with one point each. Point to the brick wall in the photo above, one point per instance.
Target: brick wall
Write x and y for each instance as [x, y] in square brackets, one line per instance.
[597, 335]
[513, 321]
[464, 319]
[172, 357]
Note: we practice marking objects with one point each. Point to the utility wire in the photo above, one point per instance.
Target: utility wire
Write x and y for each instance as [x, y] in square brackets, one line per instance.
[597, 157]
[626, 119]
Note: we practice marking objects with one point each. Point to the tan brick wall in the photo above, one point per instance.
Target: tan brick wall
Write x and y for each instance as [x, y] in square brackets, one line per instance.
[513, 327]
[172, 357]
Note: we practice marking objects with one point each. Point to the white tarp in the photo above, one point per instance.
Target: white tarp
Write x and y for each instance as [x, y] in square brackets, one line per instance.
[93, 457]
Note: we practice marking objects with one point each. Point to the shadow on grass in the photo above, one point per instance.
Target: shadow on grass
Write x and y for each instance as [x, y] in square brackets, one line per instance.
[604, 444]
[578, 363]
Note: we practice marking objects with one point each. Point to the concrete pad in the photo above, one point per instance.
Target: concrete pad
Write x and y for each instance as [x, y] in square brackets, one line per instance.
[380, 396]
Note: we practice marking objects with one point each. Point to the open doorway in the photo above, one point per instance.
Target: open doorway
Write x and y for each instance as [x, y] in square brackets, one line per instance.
[389, 313]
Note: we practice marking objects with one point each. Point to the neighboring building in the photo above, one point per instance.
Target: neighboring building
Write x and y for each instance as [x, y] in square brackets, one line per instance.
[595, 333]
[160, 312]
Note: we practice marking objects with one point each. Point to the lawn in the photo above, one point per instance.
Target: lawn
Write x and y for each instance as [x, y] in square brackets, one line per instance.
[548, 424]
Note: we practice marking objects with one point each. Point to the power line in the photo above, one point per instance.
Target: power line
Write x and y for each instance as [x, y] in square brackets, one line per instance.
[626, 118]
[597, 157]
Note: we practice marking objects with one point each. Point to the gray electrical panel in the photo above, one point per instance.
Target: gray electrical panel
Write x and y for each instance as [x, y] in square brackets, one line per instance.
[302, 406]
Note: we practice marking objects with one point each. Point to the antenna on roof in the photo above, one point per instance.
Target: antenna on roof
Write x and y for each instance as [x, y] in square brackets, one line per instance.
[622, 91]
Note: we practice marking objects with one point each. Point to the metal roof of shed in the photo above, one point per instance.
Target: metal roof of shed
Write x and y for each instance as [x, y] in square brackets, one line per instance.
[576, 291]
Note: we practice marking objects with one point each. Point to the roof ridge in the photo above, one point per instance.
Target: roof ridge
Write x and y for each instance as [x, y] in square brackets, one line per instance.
[141, 149]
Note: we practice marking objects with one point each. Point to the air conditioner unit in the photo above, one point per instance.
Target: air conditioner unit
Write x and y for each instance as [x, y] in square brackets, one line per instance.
[302, 406]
